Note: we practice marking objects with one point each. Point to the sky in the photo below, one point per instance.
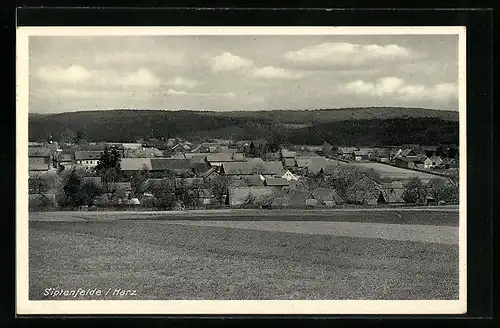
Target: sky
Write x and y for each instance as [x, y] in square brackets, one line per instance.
[243, 72]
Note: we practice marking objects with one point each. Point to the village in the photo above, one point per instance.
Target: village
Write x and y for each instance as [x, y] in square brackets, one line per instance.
[178, 174]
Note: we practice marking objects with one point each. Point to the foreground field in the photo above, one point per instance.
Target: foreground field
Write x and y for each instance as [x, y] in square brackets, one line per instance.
[163, 259]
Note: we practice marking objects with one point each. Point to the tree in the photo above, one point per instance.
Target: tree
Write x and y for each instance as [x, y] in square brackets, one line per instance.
[138, 179]
[219, 187]
[267, 200]
[164, 193]
[37, 184]
[414, 191]
[108, 167]
[72, 188]
[442, 190]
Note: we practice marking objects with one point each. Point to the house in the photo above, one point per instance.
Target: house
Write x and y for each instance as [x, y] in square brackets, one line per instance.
[210, 174]
[298, 198]
[432, 161]
[200, 149]
[311, 148]
[364, 191]
[324, 197]
[276, 182]
[206, 196]
[219, 158]
[391, 193]
[253, 180]
[212, 147]
[88, 158]
[271, 168]
[131, 146]
[39, 159]
[131, 165]
[346, 152]
[143, 152]
[405, 163]
[285, 153]
[450, 163]
[408, 152]
[188, 183]
[179, 167]
[298, 185]
[360, 155]
[289, 162]
[65, 160]
[429, 151]
[289, 176]
[238, 195]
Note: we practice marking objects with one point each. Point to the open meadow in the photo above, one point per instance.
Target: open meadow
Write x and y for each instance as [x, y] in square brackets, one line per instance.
[383, 254]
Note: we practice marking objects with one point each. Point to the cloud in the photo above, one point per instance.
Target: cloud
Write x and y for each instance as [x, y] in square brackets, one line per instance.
[396, 87]
[201, 94]
[183, 82]
[270, 72]
[343, 54]
[229, 62]
[79, 75]
[72, 74]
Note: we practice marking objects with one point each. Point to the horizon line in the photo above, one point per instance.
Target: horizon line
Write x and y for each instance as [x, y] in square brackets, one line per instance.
[241, 110]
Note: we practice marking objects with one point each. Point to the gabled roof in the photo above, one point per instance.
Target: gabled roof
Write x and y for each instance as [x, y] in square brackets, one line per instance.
[276, 182]
[392, 195]
[66, 157]
[436, 158]
[135, 164]
[326, 194]
[365, 181]
[88, 154]
[439, 182]
[210, 171]
[407, 151]
[163, 164]
[347, 150]
[38, 152]
[253, 167]
[125, 186]
[298, 197]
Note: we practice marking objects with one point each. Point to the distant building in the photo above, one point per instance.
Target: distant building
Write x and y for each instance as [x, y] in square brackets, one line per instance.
[252, 167]
[39, 159]
[88, 158]
[324, 197]
[360, 155]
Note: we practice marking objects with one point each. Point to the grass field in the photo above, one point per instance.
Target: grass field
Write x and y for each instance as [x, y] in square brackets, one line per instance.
[166, 259]
[393, 172]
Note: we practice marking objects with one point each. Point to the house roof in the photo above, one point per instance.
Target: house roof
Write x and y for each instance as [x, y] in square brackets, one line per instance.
[162, 164]
[38, 152]
[298, 185]
[188, 182]
[65, 157]
[347, 150]
[239, 157]
[135, 164]
[131, 145]
[435, 158]
[407, 151]
[287, 153]
[365, 181]
[220, 157]
[289, 162]
[209, 172]
[392, 195]
[326, 194]
[439, 182]
[38, 167]
[408, 159]
[298, 197]
[253, 180]
[393, 185]
[195, 155]
[253, 167]
[276, 182]
[88, 154]
[238, 194]
[360, 153]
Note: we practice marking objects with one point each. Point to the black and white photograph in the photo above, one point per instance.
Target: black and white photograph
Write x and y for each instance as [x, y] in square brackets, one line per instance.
[245, 170]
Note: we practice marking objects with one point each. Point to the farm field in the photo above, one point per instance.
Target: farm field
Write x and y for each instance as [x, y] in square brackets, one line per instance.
[393, 172]
[197, 257]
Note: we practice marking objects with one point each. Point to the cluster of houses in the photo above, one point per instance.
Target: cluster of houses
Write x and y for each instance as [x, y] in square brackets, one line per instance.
[281, 177]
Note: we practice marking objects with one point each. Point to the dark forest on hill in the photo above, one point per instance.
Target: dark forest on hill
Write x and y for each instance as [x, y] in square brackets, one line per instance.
[353, 129]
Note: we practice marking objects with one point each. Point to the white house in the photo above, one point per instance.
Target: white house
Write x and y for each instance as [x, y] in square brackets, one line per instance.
[88, 158]
[289, 176]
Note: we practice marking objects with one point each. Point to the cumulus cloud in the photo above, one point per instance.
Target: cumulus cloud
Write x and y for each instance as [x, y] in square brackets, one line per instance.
[229, 62]
[201, 94]
[270, 72]
[396, 87]
[183, 82]
[76, 74]
[343, 54]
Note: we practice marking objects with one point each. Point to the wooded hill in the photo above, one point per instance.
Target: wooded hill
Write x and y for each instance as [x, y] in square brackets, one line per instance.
[366, 126]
